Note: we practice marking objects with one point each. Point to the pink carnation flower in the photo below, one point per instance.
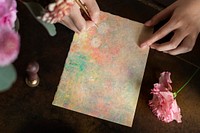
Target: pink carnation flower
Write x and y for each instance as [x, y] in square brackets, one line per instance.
[9, 46]
[57, 10]
[8, 13]
[163, 104]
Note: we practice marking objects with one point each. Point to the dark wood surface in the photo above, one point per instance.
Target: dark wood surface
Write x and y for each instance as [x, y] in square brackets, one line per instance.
[29, 110]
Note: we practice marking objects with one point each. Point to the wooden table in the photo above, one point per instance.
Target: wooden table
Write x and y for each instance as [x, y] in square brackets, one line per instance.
[29, 110]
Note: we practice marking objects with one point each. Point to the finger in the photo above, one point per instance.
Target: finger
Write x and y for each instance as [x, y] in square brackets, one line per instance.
[77, 18]
[172, 44]
[162, 32]
[68, 23]
[186, 46]
[93, 9]
[161, 15]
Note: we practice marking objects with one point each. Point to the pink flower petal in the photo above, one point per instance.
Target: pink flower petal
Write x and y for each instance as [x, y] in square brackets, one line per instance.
[8, 13]
[9, 46]
[165, 80]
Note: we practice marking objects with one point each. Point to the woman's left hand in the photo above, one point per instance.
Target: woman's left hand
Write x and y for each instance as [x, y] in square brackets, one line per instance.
[184, 23]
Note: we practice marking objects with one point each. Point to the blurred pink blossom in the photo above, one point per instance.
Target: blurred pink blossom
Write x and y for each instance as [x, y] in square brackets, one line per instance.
[57, 10]
[8, 13]
[163, 104]
[9, 39]
[9, 45]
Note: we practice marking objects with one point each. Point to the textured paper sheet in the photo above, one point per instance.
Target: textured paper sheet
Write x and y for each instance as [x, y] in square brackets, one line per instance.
[104, 69]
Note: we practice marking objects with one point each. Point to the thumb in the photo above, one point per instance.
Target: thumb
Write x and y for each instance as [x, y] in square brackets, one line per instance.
[93, 9]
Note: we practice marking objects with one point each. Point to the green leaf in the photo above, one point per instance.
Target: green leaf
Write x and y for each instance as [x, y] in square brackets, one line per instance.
[36, 10]
[7, 77]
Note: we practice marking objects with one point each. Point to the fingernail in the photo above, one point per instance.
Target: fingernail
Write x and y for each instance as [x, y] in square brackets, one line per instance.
[143, 45]
[90, 26]
[77, 32]
[95, 17]
[148, 23]
[152, 47]
[95, 20]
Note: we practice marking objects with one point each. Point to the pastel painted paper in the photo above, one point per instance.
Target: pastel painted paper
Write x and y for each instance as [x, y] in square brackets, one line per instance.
[104, 70]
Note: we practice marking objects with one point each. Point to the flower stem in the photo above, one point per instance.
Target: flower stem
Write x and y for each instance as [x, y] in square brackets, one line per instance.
[176, 93]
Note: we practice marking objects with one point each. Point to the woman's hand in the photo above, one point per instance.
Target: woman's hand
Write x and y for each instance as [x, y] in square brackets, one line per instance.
[184, 23]
[76, 22]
